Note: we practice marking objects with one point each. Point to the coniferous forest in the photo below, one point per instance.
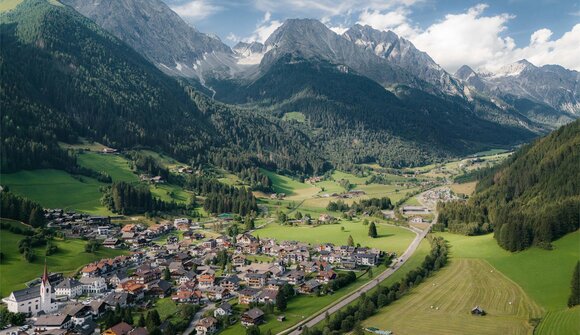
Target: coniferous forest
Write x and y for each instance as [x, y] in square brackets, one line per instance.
[531, 199]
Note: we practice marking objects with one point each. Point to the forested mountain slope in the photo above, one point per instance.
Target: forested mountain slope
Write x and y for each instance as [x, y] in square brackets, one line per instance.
[533, 198]
[64, 77]
[358, 121]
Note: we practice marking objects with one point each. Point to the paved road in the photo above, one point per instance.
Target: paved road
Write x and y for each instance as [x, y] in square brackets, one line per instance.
[365, 288]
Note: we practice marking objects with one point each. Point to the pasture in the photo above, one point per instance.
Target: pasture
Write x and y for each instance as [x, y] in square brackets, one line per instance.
[57, 189]
[6, 5]
[115, 166]
[15, 271]
[294, 189]
[442, 304]
[391, 238]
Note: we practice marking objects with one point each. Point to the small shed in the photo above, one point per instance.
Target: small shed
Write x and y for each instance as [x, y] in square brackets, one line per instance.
[477, 311]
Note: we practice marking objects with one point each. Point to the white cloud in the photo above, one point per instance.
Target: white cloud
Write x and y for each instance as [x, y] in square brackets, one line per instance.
[540, 36]
[196, 10]
[478, 40]
[329, 7]
[233, 37]
[264, 29]
[395, 20]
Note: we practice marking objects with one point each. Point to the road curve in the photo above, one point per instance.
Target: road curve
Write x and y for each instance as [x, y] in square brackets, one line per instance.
[297, 329]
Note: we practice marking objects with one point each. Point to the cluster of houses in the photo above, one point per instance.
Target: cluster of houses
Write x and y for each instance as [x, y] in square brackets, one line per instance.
[185, 271]
[346, 195]
[75, 225]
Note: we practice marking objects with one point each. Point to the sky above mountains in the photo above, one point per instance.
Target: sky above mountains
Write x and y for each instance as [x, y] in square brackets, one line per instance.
[453, 32]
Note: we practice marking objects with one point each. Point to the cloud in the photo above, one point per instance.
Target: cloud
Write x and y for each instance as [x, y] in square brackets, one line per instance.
[264, 29]
[478, 40]
[233, 37]
[322, 8]
[540, 36]
[196, 10]
[396, 20]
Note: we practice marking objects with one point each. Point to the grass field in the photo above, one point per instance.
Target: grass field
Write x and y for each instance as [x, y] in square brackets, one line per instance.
[168, 192]
[6, 5]
[544, 274]
[293, 189]
[294, 116]
[15, 271]
[465, 188]
[114, 165]
[453, 292]
[390, 238]
[57, 189]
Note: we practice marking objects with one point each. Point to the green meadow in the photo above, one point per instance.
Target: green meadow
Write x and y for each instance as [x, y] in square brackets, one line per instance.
[391, 238]
[115, 166]
[57, 189]
[15, 271]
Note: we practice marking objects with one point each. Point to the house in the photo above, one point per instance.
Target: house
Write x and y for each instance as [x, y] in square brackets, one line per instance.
[256, 280]
[254, 316]
[223, 309]
[416, 219]
[268, 296]
[117, 298]
[121, 328]
[309, 287]
[206, 280]
[206, 326]
[49, 322]
[111, 243]
[109, 150]
[79, 313]
[366, 259]
[118, 278]
[216, 293]
[69, 287]
[232, 283]
[245, 239]
[248, 296]
[93, 285]
[295, 277]
[160, 288]
[325, 218]
[187, 296]
[239, 260]
[324, 277]
[90, 270]
[180, 221]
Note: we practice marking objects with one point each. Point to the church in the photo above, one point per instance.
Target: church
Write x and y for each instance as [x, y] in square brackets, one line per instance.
[33, 300]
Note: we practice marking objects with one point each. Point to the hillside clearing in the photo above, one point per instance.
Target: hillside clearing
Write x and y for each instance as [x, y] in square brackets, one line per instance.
[57, 189]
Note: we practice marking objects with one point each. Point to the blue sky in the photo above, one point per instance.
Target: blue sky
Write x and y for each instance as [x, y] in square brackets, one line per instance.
[482, 34]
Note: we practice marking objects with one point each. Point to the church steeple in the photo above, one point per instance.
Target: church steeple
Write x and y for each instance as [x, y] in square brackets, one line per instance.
[45, 273]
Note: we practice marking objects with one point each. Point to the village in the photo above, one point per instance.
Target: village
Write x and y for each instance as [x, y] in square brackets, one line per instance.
[234, 279]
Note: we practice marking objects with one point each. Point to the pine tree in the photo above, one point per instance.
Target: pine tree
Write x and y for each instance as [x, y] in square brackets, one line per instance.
[575, 294]
[281, 302]
[350, 241]
[166, 274]
[373, 230]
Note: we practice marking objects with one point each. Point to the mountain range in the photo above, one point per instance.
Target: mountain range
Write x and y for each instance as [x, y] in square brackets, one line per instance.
[134, 73]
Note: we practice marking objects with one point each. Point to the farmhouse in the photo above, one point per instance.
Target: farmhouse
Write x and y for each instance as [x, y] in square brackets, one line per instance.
[254, 316]
[206, 326]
